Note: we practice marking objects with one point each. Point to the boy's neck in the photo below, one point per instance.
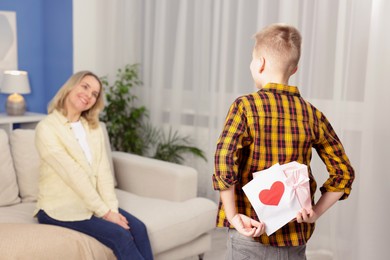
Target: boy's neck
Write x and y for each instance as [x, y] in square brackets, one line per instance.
[276, 78]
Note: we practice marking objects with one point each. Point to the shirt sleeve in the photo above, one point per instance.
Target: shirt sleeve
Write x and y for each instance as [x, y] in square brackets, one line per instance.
[331, 151]
[227, 155]
[54, 153]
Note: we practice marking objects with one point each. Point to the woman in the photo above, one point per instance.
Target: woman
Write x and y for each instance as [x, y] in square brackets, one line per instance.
[76, 187]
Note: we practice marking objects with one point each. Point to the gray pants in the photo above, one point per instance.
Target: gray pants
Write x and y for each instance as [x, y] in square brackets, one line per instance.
[240, 247]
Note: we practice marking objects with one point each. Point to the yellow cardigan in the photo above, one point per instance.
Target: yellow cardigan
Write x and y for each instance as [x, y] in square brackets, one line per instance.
[70, 188]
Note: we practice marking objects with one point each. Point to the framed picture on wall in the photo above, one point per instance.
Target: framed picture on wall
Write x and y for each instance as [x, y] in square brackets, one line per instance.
[8, 42]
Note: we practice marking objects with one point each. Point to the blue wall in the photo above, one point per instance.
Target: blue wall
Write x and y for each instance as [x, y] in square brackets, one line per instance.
[45, 47]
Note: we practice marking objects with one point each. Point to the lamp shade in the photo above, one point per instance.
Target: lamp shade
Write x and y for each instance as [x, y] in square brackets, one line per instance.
[15, 81]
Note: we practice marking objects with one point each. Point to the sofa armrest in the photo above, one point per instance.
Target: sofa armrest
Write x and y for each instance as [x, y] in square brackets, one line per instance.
[149, 177]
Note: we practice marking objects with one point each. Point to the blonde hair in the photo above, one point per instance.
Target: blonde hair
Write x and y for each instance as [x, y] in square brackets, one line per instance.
[58, 101]
[281, 43]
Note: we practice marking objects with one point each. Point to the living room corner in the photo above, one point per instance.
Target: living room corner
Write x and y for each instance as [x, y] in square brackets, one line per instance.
[193, 61]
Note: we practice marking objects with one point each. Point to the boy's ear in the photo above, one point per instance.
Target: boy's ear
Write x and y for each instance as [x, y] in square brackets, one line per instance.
[294, 70]
[262, 64]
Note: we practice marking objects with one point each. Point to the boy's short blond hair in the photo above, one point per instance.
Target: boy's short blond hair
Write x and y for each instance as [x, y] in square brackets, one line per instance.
[281, 43]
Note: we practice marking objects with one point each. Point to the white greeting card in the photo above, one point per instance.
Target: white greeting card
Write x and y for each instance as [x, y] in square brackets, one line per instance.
[274, 196]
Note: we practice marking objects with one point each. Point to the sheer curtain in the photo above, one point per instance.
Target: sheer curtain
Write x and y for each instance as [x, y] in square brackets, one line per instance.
[195, 59]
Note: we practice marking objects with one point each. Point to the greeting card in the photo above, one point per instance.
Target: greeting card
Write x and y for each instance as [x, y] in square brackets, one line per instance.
[278, 193]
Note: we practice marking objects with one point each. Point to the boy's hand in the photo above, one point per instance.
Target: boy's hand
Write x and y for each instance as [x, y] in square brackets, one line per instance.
[324, 203]
[247, 226]
[308, 216]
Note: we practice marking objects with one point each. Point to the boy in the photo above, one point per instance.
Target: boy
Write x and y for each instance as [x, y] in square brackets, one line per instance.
[274, 125]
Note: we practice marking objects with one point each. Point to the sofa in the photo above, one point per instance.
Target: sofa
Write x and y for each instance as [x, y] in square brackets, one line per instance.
[163, 195]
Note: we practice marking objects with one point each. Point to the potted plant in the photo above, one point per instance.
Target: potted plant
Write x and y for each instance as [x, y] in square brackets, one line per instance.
[128, 127]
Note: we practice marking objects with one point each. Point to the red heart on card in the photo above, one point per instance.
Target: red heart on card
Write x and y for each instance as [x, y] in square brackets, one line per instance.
[272, 196]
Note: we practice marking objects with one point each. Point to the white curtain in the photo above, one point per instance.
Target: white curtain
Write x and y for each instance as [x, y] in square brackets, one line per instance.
[195, 59]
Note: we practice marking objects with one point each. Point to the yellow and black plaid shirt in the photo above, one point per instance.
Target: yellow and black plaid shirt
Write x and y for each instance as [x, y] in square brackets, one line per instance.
[276, 125]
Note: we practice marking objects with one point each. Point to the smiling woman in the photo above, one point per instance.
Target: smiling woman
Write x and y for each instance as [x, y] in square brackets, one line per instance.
[79, 96]
[76, 188]
[82, 97]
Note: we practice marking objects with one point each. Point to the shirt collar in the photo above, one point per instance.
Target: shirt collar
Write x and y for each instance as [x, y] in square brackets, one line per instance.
[64, 120]
[281, 89]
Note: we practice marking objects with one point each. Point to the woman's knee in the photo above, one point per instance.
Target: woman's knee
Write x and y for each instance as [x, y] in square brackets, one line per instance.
[138, 227]
[122, 239]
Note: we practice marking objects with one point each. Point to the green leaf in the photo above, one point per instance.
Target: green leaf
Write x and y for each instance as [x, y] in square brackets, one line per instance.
[128, 127]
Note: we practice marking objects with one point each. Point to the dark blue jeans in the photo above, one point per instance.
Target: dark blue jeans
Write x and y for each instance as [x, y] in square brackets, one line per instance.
[126, 244]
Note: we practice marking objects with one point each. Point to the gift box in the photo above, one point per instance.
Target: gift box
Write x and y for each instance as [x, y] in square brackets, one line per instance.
[298, 178]
[278, 193]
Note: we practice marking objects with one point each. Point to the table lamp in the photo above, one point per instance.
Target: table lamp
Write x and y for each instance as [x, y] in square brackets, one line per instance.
[15, 82]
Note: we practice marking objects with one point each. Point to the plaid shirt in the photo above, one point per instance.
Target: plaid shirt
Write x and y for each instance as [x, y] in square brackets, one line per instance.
[276, 125]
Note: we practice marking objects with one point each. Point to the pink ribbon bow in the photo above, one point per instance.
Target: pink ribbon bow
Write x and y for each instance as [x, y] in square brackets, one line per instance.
[300, 187]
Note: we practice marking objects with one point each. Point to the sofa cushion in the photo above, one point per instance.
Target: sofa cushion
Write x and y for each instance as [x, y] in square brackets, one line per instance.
[9, 192]
[26, 161]
[169, 223]
[18, 213]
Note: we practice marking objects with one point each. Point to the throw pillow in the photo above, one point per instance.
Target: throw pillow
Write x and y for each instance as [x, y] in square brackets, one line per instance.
[26, 161]
[9, 192]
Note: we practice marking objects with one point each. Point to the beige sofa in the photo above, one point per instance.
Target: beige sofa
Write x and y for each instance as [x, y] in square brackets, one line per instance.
[161, 194]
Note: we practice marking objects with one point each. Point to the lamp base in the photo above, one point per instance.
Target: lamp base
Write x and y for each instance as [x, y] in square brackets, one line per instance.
[15, 106]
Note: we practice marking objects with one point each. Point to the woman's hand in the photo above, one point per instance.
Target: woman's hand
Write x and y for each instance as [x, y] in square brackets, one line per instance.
[247, 226]
[117, 218]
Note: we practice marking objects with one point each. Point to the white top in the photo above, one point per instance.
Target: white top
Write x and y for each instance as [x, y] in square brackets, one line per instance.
[81, 137]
